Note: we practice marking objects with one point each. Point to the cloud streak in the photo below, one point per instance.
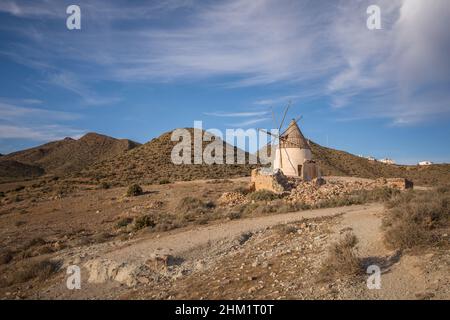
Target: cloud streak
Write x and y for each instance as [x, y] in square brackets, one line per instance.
[37, 124]
[399, 73]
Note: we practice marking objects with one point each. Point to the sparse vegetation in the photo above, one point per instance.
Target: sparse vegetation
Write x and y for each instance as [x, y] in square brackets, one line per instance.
[342, 260]
[40, 270]
[124, 222]
[277, 206]
[359, 197]
[145, 221]
[134, 190]
[164, 181]
[195, 205]
[417, 218]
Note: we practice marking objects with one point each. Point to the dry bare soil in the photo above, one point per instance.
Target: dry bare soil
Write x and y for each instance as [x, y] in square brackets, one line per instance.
[174, 240]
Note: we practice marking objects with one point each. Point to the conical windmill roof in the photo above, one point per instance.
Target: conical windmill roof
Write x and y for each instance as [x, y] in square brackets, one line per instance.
[293, 137]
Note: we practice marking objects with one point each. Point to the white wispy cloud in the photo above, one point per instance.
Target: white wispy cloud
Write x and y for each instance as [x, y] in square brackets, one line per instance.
[399, 72]
[12, 112]
[247, 123]
[71, 83]
[32, 123]
[39, 133]
[236, 114]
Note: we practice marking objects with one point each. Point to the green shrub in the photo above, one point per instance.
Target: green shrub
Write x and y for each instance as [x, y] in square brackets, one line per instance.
[164, 181]
[134, 190]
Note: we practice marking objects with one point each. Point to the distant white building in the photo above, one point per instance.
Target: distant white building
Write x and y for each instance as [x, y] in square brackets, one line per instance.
[371, 158]
[387, 161]
[425, 163]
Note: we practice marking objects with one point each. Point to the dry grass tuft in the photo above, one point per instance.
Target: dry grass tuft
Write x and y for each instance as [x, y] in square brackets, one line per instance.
[342, 260]
[263, 195]
[40, 270]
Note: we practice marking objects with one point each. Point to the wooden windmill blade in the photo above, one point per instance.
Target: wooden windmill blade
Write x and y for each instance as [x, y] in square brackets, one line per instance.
[279, 130]
[284, 117]
[273, 137]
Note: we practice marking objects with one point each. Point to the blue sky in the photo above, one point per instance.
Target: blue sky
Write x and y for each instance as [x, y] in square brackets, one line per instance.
[138, 69]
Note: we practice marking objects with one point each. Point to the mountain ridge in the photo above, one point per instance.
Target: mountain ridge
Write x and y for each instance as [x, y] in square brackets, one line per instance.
[69, 155]
[98, 157]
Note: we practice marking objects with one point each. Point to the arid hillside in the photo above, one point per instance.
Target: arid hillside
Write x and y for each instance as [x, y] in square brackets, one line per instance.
[64, 156]
[13, 169]
[100, 158]
[151, 163]
[334, 162]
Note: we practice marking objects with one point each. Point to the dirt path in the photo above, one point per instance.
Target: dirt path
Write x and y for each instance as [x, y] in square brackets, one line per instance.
[125, 264]
[184, 241]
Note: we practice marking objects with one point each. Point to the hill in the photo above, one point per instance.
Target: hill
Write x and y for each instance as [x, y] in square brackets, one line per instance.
[334, 162]
[341, 163]
[68, 156]
[151, 163]
[10, 169]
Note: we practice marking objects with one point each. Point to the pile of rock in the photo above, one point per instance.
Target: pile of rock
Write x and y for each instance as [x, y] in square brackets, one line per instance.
[395, 183]
[312, 192]
[232, 199]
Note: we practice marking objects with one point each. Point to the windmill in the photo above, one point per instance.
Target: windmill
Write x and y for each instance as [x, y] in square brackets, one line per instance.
[293, 150]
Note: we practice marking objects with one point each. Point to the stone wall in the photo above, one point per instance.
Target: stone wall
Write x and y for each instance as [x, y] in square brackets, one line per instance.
[276, 182]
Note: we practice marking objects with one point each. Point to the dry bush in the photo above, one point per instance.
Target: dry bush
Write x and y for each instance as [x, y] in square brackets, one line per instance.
[342, 260]
[123, 222]
[263, 195]
[359, 197]
[277, 206]
[417, 218]
[134, 190]
[144, 222]
[195, 205]
[40, 270]
[233, 215]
